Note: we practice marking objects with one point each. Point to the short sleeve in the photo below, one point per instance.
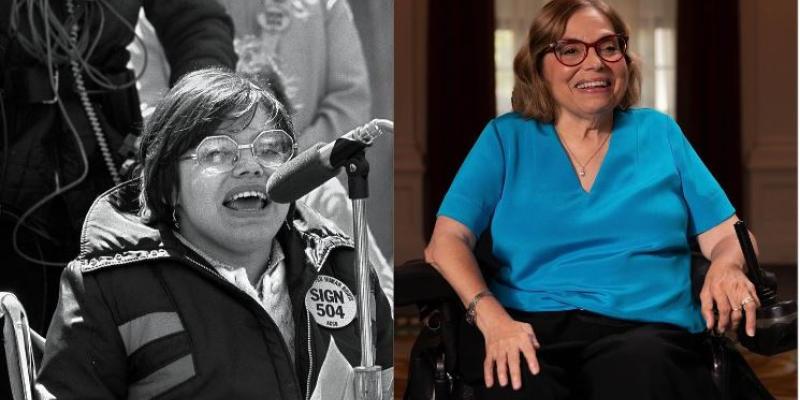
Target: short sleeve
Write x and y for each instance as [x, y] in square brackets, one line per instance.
[477, 186]
[707, 203]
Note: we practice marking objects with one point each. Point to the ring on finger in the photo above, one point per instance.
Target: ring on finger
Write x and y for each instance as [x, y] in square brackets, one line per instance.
[736, 309]
[746, 300]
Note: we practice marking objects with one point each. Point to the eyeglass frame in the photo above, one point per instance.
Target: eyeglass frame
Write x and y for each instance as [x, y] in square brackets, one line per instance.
[552, 48]
[240, 147]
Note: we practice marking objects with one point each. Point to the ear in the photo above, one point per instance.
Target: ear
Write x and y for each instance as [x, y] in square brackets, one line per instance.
[175, 198]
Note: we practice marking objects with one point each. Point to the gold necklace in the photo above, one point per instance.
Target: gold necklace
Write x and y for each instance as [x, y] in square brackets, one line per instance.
[582, 171]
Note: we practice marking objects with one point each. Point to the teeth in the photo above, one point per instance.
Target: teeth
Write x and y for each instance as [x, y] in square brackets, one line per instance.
[252, 193]
[592, 84]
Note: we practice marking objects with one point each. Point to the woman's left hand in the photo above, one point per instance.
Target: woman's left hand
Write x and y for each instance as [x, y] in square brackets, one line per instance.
[727, 288]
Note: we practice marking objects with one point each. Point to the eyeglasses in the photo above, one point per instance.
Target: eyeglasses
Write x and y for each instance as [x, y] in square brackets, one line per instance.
[572, 52]
[218, 154]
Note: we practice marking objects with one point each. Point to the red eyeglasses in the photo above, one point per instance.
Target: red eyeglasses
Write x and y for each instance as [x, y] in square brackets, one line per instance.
[572, 52]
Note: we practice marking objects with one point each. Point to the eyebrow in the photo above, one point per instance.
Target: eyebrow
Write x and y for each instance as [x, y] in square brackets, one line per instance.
[230, 133]
[598, 38]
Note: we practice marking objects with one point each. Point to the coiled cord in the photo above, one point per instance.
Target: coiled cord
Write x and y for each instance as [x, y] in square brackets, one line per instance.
[59, 191]
[87, 104]
[50, 41]
[50, 47]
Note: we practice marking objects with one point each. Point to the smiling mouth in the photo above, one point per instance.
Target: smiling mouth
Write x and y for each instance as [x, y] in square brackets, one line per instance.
[596, 84]
[247, 201]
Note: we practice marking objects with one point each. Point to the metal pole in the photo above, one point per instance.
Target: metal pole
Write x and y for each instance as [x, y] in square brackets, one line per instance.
[367, 376]
[365, 306]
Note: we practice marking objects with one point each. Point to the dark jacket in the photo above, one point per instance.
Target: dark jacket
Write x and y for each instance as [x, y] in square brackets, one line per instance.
[142, 316]
[42, 151]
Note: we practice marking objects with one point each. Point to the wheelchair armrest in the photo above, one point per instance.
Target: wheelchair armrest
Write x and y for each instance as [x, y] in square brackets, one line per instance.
[37, 343]
[418, 282]
[19, 340]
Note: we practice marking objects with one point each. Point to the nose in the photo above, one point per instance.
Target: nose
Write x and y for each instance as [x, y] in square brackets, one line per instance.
[247, 165]
[593, 60]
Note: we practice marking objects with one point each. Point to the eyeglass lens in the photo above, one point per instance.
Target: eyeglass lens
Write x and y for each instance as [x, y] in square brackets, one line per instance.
[270, 148]
[573, 52]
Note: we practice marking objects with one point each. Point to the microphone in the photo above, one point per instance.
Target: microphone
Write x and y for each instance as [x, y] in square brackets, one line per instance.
[321, 162]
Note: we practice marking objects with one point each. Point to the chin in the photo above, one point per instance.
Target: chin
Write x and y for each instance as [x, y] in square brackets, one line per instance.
[246, 240]
[254, 226]
[596, 112]
[600, 106]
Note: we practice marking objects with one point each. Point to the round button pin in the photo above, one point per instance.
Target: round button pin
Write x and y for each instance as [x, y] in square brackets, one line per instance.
[331, 302]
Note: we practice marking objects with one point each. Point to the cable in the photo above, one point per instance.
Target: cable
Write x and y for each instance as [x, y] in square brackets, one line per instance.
[49, 60]
[94, 74]
[44, 235]
[88, 107]
[50, 42]
[5, 141]
[56, 44]
[55, 193]
[45, 285]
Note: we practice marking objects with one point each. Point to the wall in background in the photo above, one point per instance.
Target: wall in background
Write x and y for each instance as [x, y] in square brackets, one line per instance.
[410, 91]
[769, 125]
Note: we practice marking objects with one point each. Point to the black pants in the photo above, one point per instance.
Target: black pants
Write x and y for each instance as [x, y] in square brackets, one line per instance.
[588, 356]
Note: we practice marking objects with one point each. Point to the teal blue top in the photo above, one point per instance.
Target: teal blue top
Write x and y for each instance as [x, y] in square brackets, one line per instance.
[622, 249]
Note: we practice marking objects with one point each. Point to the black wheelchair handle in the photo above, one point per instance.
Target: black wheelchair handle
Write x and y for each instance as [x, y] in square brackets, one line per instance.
[776, 329]
[776, 321]
[766, 295]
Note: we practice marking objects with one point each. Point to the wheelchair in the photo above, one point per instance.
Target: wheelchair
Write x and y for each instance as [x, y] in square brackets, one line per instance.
[23, 348]
[433, 371]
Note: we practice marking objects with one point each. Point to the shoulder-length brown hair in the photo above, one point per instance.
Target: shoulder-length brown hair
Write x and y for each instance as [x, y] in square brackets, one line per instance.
[531, 96]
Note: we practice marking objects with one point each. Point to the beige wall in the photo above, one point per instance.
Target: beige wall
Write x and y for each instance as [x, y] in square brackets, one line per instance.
[769, 125]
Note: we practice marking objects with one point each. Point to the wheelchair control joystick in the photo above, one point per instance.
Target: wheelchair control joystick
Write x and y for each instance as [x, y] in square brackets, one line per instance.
[776, 321]
[767, 294]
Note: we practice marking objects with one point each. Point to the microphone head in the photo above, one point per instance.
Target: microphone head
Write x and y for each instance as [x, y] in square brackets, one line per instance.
[299, 176]
[368, 132]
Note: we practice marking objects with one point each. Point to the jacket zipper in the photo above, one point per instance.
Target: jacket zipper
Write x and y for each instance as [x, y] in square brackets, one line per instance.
[310, 356]
[285, 347]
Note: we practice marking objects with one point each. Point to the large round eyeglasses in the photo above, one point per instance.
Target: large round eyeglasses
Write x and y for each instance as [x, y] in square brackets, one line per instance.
[572, 52]
[218, 154]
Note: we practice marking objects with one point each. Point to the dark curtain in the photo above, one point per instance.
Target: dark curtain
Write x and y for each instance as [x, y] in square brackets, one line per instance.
[461, 93]
[708, 95]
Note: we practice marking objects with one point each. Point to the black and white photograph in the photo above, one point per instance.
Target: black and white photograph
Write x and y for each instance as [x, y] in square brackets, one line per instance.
[196, 199]
[555, 240]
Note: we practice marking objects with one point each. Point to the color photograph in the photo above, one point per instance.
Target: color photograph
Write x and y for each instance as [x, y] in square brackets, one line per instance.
[196, 199]
[569, 179]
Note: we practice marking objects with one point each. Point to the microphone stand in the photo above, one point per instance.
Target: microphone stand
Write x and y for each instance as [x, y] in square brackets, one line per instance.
[367, 378]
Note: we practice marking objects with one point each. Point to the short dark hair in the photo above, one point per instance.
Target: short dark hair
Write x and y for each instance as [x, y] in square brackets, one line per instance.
[193, 109]
[531, 96]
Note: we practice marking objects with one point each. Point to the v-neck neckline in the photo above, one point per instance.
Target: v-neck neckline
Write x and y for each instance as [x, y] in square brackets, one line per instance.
[600, 171]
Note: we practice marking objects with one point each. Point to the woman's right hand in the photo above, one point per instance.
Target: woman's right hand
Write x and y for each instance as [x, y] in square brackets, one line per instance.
[505, 339]
[450, 252]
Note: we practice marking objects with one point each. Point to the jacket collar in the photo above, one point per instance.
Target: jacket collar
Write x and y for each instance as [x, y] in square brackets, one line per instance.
[113, 233]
